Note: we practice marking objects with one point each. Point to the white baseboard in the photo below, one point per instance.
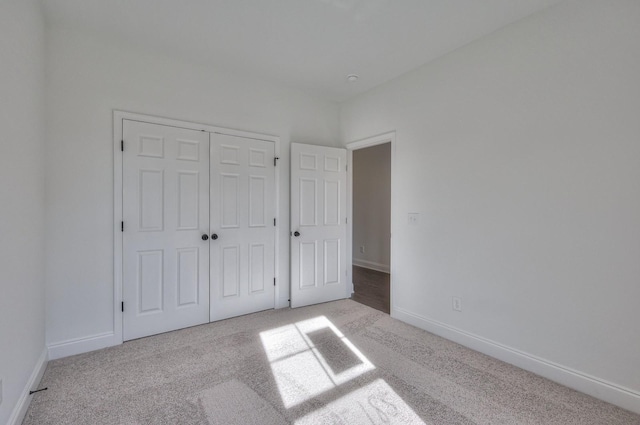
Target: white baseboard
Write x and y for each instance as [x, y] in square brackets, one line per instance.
[71, 347]
[17, 416]
[371, 265]
[585, 383]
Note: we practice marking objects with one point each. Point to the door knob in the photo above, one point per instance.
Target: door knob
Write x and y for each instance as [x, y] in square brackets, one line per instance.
[205, 237]
[296, 233]
[214, 236]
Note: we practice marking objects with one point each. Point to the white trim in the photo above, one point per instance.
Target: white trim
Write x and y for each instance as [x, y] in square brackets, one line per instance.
[71, 347]
[118, 214]
[389, 137]
[276, 254]
[351, 288]
[385, 268]
[585, 383]
[20, 409]
[372, 141]
[118, 117]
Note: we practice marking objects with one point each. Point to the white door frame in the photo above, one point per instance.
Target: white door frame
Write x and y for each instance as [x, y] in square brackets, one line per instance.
[118, 117]
[380, 139]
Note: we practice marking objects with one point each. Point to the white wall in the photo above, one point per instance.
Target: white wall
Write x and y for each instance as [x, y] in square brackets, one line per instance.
[87, 79]
[521, 152]
[22, 200]
[372, 206]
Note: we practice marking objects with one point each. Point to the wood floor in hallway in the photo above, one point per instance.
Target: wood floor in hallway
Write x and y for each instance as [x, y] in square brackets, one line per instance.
[372, 288]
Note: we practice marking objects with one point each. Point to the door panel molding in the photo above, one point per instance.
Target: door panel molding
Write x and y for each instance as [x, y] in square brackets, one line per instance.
[240, 217]
[318, 224]
[185, 153]
[164, 216]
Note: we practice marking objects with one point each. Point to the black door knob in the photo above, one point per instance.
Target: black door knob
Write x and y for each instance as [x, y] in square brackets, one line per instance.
[214, 236]
[205, 237]
[296, 233]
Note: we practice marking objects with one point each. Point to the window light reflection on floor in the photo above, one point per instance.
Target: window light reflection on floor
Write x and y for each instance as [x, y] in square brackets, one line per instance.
[310, 357]
[375, 403]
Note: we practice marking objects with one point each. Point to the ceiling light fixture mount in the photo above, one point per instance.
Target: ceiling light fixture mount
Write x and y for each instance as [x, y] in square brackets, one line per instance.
[352, 78]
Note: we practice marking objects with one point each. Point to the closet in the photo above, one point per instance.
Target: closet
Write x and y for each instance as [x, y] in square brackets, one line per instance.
[198, 227]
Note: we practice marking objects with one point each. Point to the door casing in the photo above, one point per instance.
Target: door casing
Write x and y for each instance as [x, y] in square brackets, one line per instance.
[389, 137]
[118, 117]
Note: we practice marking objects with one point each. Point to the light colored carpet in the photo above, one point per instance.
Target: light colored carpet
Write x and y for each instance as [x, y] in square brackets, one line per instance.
[335, 363]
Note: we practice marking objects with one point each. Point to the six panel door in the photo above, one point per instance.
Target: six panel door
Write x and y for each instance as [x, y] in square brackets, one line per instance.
[318, 224]
[243, 227]
[166, 213]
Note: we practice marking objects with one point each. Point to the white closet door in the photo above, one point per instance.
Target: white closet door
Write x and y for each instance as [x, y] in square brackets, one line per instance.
[242, 223]
[166, 214]
[318, 224]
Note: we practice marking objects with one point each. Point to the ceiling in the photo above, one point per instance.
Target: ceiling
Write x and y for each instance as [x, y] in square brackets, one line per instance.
[310, 45]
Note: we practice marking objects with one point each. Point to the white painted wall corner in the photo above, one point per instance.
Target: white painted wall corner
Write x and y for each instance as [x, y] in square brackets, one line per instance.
[20, 410]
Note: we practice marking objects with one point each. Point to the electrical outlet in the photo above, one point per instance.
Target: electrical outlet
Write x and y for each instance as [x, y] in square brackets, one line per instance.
[413, 219]
[362, 249]
[456, 304]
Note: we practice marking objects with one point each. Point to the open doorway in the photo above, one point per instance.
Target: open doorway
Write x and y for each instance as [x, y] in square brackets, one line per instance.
[371, 225]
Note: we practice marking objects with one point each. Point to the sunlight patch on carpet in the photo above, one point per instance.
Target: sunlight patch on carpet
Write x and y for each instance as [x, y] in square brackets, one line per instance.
[375, 403]
[310, 357]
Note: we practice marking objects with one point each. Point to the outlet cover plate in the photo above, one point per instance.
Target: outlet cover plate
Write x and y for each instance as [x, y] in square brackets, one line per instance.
[456, 303]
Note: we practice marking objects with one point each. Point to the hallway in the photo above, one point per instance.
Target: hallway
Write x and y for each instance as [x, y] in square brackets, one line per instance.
[372, 288]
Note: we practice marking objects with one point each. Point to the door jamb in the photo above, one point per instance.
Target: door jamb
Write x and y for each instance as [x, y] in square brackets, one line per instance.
[118, 117]
[389, 137]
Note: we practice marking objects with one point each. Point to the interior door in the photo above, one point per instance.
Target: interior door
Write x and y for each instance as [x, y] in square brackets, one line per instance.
[166, 218]
[243, 226]
[318, 224]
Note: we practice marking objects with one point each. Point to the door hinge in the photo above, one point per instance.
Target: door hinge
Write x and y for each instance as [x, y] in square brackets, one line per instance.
[122, 306]
[274, 281]
[275, 161]
[274, 221]
[346, 220]
[346, 168]
[122, 226]
[122, 145]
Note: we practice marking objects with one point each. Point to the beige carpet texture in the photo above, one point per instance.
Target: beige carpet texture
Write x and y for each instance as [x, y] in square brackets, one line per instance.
[339, 363]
